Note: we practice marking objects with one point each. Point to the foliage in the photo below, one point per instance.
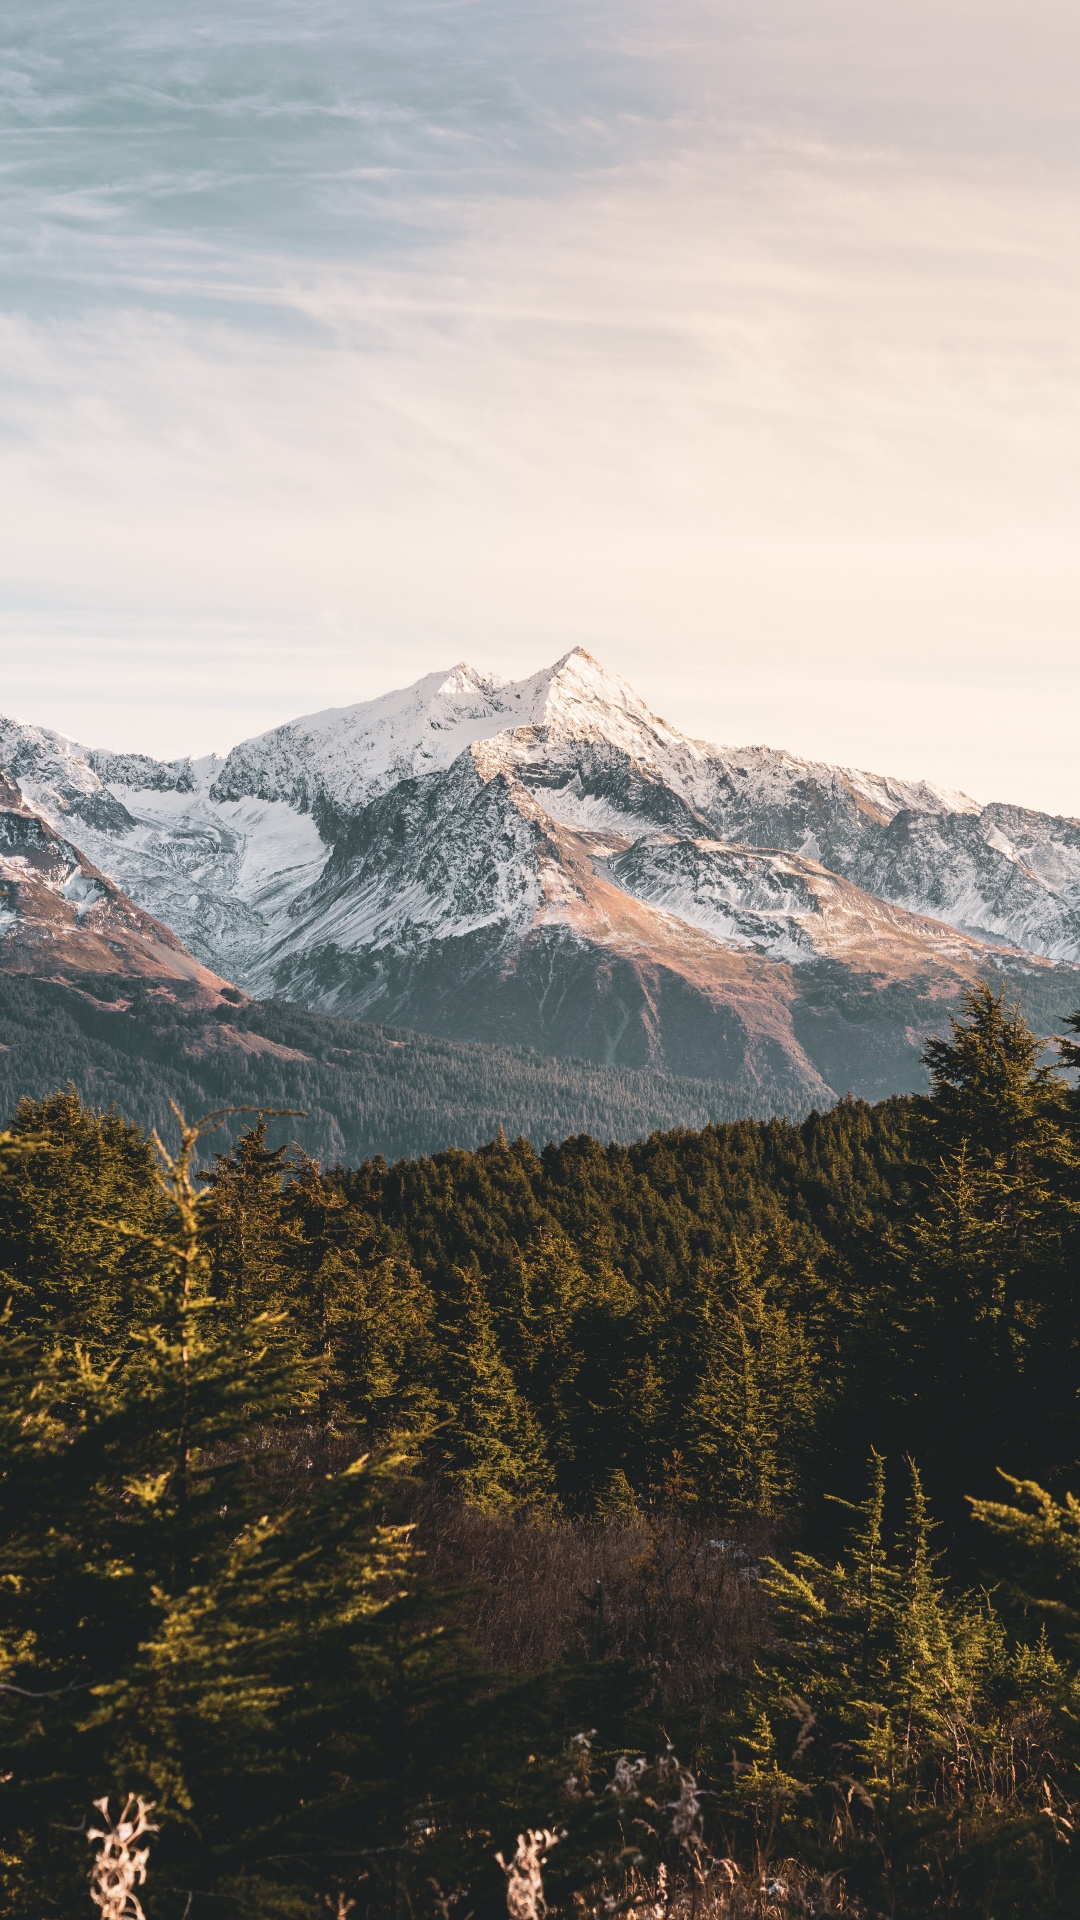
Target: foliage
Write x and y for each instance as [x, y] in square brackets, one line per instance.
[176, 1618]
[1040, 1536]
[892, 1730]
[358, 1089]
[757, 1398]
[335, 1505]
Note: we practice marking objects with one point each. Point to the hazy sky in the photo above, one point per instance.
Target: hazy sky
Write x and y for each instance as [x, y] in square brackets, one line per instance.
[738, 341]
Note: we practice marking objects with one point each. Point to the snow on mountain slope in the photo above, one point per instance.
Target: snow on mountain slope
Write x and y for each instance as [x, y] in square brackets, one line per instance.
[60, 917]
[55, 776]
[1007, 873]
[433, 859]
[572, 727]
[545, 859]
[220, 873]
[469, 850]
[785, 905]
[224, 874]
[460, 906]
[766, 798]
[337, 762]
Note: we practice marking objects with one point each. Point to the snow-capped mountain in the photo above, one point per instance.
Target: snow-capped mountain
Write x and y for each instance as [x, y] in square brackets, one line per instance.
[546, 861]
[61, 918]
[220, 873]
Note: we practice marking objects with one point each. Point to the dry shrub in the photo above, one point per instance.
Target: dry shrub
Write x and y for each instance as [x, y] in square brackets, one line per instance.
[660, 1812]
[664, 1591]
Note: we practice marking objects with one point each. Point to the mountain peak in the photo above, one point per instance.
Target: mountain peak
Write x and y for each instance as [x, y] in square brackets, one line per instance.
[350, 755]
[542, 856]
[580, 699]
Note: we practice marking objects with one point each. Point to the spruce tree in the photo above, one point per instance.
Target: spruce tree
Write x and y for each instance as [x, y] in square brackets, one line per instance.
[185, 1612]
[1039, 1535]
[989, 1085]
[361, 1308]
[751, 1419]
[488, 1448]
[985, 1309]
[245, 1226]
[126, 1471]
[542, 1322]
[70, 1175]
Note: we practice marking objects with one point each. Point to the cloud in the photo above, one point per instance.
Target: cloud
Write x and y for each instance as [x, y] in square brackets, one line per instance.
[727, 341]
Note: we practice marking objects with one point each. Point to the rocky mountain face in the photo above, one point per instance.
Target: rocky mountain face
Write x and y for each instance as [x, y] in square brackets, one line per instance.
[60, 918]
[545, 862]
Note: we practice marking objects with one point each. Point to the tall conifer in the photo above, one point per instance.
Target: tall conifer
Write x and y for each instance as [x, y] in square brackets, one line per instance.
[488, 1447]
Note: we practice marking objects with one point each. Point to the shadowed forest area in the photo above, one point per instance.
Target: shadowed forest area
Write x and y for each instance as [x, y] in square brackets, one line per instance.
[701, 1510]
[353, 1089]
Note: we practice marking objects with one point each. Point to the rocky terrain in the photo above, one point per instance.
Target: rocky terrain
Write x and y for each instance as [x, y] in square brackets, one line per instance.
[61, 918]
[547, 863]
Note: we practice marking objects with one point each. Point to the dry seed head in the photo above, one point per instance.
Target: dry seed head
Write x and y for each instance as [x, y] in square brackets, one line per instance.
[626, 1777]
[119, 1865]
[524, 1876]
[657, 1908]
[686, 1811]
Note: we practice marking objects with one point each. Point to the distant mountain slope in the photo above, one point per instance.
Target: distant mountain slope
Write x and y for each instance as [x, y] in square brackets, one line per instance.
[363, 1090]
[462, 908]
[59, 915]
[545, 862]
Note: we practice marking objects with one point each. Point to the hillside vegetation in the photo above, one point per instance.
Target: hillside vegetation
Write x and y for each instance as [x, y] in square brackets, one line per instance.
[647, 1499]
[355, 1089]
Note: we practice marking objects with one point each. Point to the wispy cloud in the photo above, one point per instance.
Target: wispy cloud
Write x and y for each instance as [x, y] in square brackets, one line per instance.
[740, 342]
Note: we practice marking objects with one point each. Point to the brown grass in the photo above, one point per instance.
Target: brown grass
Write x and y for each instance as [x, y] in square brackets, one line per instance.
[722, 1891]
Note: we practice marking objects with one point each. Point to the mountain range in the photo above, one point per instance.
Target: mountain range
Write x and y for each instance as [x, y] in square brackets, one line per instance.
[546, 864]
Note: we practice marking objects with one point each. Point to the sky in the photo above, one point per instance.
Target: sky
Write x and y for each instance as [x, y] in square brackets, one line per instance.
[736, 341]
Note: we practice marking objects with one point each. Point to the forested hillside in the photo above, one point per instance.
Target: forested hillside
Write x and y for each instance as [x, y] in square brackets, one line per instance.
[355, 1089]
[365, 1518]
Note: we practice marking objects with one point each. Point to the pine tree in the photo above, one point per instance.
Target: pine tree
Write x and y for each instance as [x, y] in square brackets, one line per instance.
[183, 1614]
[488, 1448]
[989, 1087]
[542, 1316]
[884, 1715]
[63, 1267]
[361, 1308]
[295, 1714]
[751, 1419]
[987, 1310]
[1040, 1537]
[125, 1474]
[245, 1225]
[992, 1138]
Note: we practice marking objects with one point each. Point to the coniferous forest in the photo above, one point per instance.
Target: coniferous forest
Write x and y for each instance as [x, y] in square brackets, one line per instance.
[352, 1088]
[703, 1511]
